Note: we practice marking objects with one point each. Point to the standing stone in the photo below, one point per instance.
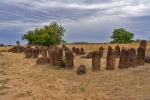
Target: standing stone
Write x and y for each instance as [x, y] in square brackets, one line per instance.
[141, 55]
[81, 70]
[111, 57]
[82, 51]
[58, 57]
[51, 56]
[77, 51]
[96, 61]
[117, 50]
[19, 49]
[132, 57]
[35, 53]
[69, 60]
[143, 44]
[73, 49]
[123, 62]
[52, 46]
[101, 50]
[43, 52]
[14, 50]
[28, 52]
[23, 49]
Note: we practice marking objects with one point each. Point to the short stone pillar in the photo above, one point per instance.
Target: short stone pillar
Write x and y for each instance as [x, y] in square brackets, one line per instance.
[117, 50]
[81, 70]
[35, 53]
[111, 59]
[58, 57]
[43, 52]
[51, 56]
[77, 51]
[132, 57]
[19, 49]
[143, 44]
[123, 62]
[82, 51]
[101, 50]
[69, 60]
[73, 49]
[14, 50]
[96, 61]
[28, 52]
[141, 56]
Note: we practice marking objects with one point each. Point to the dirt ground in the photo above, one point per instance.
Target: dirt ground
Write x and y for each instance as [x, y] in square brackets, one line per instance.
[22, 79]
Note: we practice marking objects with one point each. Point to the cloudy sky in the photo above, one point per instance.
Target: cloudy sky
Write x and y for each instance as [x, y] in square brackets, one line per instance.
[84, 20]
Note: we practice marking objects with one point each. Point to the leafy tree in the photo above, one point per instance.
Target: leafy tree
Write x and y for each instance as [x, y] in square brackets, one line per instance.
[122, 36]
[18, 43]
[51, 34]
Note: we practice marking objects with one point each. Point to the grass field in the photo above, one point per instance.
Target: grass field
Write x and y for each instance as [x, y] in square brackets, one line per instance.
[22, 79]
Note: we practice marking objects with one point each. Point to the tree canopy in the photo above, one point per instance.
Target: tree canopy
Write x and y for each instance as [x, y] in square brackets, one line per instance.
[51, 34]
[122, 36]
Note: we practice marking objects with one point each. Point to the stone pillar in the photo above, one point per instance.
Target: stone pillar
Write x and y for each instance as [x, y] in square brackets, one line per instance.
[19, 49]
[132, 57]
[63, 47]
[69, 60]
[14, 50]
[101, 50]
[111, 59]
[35, 53]
[43, 52]
[73, 49]
[81, 70]
[51, 56]
[82, 51]
[28, 52]
[143, 44]
[123, 62]
[141, 55]
[117, 50]
[96, 61]
[77, 51]
[58, 57]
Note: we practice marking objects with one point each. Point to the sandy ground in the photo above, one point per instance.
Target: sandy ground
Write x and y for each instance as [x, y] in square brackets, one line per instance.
[22, 79]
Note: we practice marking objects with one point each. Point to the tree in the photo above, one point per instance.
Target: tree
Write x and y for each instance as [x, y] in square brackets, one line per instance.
[51, 34]
[18, 43]
[122, 36]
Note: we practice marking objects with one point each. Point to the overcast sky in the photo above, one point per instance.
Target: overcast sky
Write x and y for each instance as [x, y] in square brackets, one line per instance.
[84, 20]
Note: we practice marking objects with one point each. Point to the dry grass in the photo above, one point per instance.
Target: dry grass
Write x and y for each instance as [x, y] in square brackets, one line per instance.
[24, 80]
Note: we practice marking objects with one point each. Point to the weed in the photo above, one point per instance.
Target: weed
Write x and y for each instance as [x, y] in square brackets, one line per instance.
[3, 93]
[82, 89]
[63, 61]
[29, 92]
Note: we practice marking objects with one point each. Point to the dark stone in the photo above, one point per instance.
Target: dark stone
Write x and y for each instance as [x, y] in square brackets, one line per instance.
[35, 53]
[96, 61]
[81, 70]
[141, 56]
[111, 57]
[28, 52]
[90, 55]
[77, 51]
[51, 56]
[132, 57]
[58, 57]
[19, 49]
[101, 50]
[14, 50]
[69, 60]
[41, 61]
[147, 59]
[117, 50]
[123, 62]
[73, 49]
[82, 51]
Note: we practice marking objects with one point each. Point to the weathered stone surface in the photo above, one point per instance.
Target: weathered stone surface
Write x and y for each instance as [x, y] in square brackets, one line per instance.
[77, 51]
[117, 50]
[96, 61]
[111, 58]
[73, 49]
[123, 62]
[141, 56]
[28, 52]
[57, 57]
[81, 70]
[82, 52]
[19, 49]
[101, 50]
[51, 56]
[147, 59]
[69, 60]
[35, 53]
[41, 61]
[143, 44]
[132, 57]
[14, 50]
[63, 47]
[43, 52]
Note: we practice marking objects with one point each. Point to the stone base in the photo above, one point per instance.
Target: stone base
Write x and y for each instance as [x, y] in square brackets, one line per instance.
[41, 61]
[81, 70]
